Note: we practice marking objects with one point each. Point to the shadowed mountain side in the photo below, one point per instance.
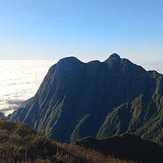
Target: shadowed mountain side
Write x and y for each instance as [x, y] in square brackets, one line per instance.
[79, 99]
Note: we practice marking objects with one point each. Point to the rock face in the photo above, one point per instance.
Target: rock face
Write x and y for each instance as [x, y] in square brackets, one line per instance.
[2, 116]
[97, 99]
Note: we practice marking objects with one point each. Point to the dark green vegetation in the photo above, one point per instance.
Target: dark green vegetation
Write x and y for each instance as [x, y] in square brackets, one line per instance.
[126, 147]
[20, 144]
[98, 99]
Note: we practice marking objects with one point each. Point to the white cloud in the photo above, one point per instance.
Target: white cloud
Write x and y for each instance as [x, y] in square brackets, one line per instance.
[19, 80]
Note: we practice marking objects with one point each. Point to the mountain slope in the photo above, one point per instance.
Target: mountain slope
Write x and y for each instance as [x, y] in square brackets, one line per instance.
[100, 99]
[20, 144]
[126, 147]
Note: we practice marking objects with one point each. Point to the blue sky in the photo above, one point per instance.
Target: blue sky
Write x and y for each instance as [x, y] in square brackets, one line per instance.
[87, 29]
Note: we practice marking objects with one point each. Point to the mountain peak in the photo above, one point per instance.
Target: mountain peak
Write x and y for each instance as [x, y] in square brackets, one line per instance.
[113, 58]
[115, 55]
[113, 61]
[70, 59]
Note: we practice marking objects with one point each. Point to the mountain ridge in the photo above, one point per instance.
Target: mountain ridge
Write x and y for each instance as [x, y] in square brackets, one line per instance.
[91, 97]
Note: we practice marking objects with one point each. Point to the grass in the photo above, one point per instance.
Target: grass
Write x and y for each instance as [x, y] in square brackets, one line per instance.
[20, 144]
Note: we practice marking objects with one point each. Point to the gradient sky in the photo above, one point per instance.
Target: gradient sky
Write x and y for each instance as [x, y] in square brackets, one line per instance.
[88, 29]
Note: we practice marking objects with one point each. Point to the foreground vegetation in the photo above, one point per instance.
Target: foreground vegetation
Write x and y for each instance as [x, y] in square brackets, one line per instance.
[20, 144]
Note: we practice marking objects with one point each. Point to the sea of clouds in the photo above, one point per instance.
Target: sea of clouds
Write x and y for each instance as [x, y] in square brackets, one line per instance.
[19, 80]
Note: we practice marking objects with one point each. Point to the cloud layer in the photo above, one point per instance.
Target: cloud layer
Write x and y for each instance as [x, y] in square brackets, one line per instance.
[19, 80]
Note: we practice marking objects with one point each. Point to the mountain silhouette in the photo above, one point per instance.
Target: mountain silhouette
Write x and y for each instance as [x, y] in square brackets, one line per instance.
[97, 99]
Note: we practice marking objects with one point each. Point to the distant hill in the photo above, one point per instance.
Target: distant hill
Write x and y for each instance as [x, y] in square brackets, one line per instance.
[97, 99]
